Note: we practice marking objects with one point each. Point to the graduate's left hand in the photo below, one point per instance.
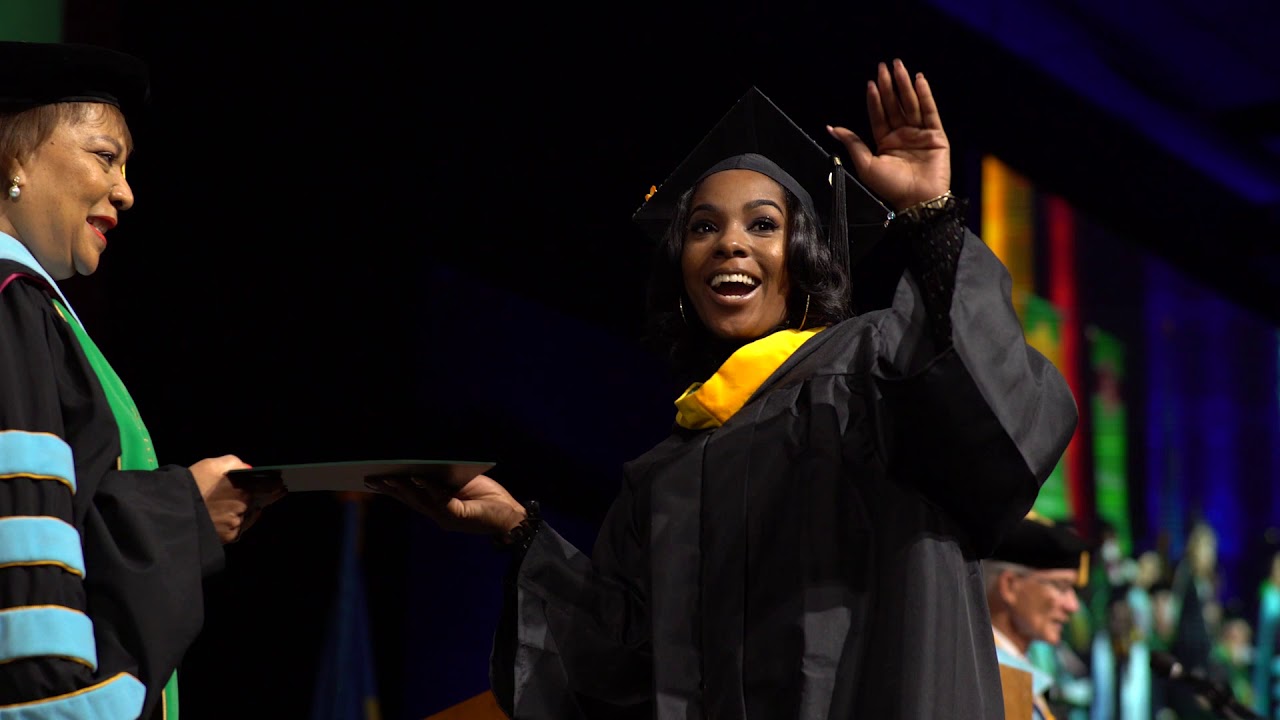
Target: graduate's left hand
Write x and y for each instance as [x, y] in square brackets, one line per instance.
[912, 162]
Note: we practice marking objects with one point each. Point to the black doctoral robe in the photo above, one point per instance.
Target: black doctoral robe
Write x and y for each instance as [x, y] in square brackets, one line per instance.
[147, 537]
[817, 556]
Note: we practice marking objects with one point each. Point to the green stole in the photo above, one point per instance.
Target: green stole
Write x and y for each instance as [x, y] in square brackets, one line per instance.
[136, 451]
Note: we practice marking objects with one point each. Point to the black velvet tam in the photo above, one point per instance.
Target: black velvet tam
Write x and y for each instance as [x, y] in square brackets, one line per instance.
[755, 134]
[1040, 543]
[42, 73]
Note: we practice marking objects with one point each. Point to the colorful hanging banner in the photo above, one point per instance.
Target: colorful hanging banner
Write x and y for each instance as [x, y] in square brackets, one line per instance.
[1110, 441]
[1042, 324]
[1059, 227]
[1008, 225]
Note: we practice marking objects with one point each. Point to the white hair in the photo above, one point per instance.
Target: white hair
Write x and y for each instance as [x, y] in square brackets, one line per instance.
[993, 569]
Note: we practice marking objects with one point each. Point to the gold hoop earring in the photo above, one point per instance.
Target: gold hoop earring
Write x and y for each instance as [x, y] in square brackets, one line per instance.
[680, 304]
[805, 318]
[14, 189]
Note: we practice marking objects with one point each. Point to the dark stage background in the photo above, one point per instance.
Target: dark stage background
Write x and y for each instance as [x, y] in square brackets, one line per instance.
[402, 230]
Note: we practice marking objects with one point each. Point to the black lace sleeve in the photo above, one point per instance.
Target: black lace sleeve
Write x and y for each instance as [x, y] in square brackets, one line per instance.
[934, 237]
[518, 539]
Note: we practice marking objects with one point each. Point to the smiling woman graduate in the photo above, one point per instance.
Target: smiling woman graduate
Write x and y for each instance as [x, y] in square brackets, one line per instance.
[806, 541]
[102, 551]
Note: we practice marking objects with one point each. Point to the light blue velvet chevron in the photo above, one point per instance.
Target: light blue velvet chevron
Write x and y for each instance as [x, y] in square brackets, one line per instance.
[36, 454]
[40, 541]
[44, 630]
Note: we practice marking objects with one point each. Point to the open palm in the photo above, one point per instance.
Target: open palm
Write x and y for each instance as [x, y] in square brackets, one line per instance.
[912, 160]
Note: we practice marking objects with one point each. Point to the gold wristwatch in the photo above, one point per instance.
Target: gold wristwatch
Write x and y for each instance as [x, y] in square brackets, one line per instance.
[914, 212]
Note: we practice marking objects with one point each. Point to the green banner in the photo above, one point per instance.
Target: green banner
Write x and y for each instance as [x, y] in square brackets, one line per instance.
[31, 20]
[1042, 324]
[1110, 441]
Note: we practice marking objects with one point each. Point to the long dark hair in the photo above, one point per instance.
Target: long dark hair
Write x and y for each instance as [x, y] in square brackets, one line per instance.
[693, 352]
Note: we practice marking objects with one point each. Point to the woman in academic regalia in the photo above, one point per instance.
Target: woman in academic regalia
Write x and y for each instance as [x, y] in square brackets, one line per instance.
[102, 552]
[806, 542]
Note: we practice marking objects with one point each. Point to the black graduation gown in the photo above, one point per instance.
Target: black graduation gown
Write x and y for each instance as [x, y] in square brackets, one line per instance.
[817, 556]
[147, 537]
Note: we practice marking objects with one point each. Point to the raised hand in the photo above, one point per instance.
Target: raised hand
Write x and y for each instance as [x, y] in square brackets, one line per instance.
[912, 159]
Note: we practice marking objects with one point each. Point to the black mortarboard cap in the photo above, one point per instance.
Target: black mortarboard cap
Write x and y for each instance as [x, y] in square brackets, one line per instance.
[1042, 544]
[42, 73]
[853, 218]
